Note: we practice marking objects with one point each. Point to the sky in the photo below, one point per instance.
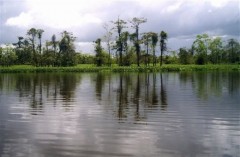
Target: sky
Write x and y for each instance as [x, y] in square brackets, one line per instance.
[181, 19]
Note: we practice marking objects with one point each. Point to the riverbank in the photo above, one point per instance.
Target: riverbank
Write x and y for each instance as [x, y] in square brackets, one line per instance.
[115, 68]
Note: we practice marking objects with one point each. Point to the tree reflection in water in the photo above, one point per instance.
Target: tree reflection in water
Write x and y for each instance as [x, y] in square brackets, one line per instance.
[100, 83]
[207, 84]
[136, 93]
[39, 87]
[129, 95]
[163, 94]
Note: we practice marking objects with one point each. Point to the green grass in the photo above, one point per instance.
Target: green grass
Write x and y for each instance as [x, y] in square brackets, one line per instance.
[116, 68]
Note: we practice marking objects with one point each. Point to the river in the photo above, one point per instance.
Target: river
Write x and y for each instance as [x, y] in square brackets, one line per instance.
[186, 114]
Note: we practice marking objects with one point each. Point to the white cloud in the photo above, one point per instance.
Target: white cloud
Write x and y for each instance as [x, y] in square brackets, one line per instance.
[23, 20]
[57, 14]
[173, 8]
[219, 3]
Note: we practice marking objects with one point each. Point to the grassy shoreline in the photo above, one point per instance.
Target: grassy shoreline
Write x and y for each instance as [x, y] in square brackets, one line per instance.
[115, 68]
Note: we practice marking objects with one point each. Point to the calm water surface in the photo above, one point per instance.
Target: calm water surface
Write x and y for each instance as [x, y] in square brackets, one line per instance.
[112, 114]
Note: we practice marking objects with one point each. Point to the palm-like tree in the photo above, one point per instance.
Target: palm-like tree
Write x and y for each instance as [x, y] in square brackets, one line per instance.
[135, 24]
[119, 26]
[32, 33]
[54, 43]
[154, 38]
[39, 34]
[20, 42]
[163, 45]
[146, 40]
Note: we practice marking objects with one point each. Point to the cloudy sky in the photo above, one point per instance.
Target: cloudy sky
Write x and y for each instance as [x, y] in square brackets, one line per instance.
[181, 19]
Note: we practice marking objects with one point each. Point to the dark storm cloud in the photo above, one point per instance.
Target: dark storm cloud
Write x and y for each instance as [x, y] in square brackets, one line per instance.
[9, 9]
[192, 20]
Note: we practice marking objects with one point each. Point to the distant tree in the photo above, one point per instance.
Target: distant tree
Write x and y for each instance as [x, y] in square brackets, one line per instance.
[154, 37]
[200, 47]
[19, 43]
[47, 44]
[107, 38]
[23, 51]
[85, 58]
[28, 54]
[7, 56]
[146, 39]
[185, 57]
[216, 49]
[67, 42]
[126, 55]
[100, 54]
[54, 43]
[119, 26]
[172, 58]
[39, 35]
[130, 57]
[26, 43]
[163, 45]
[32, 35]
[233, 50]
[135, 25]
[67, 49]
[48, 58]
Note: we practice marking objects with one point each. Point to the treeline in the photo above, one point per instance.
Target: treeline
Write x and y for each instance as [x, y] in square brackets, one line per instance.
[29, 50]
[209, 50]
[124, 46]
[128, 44]
[141, 48]
[204, 50]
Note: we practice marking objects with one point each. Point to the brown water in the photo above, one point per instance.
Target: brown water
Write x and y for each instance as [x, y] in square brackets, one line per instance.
[112, 114]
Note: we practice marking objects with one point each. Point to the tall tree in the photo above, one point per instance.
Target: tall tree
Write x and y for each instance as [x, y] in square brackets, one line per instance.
[124, 38]
[19, 44]
[67, 42]
[39, 35]
[108, 37]
[127, 56]
[146, 39]
[32, 35]
[233, 48]
[119, 26]
[201, 47]
[54, 43]
[23, 51]
[163, 45]
[215, 47]
[67, 49]
[135, 25]
[154, 38]
[99, 52]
